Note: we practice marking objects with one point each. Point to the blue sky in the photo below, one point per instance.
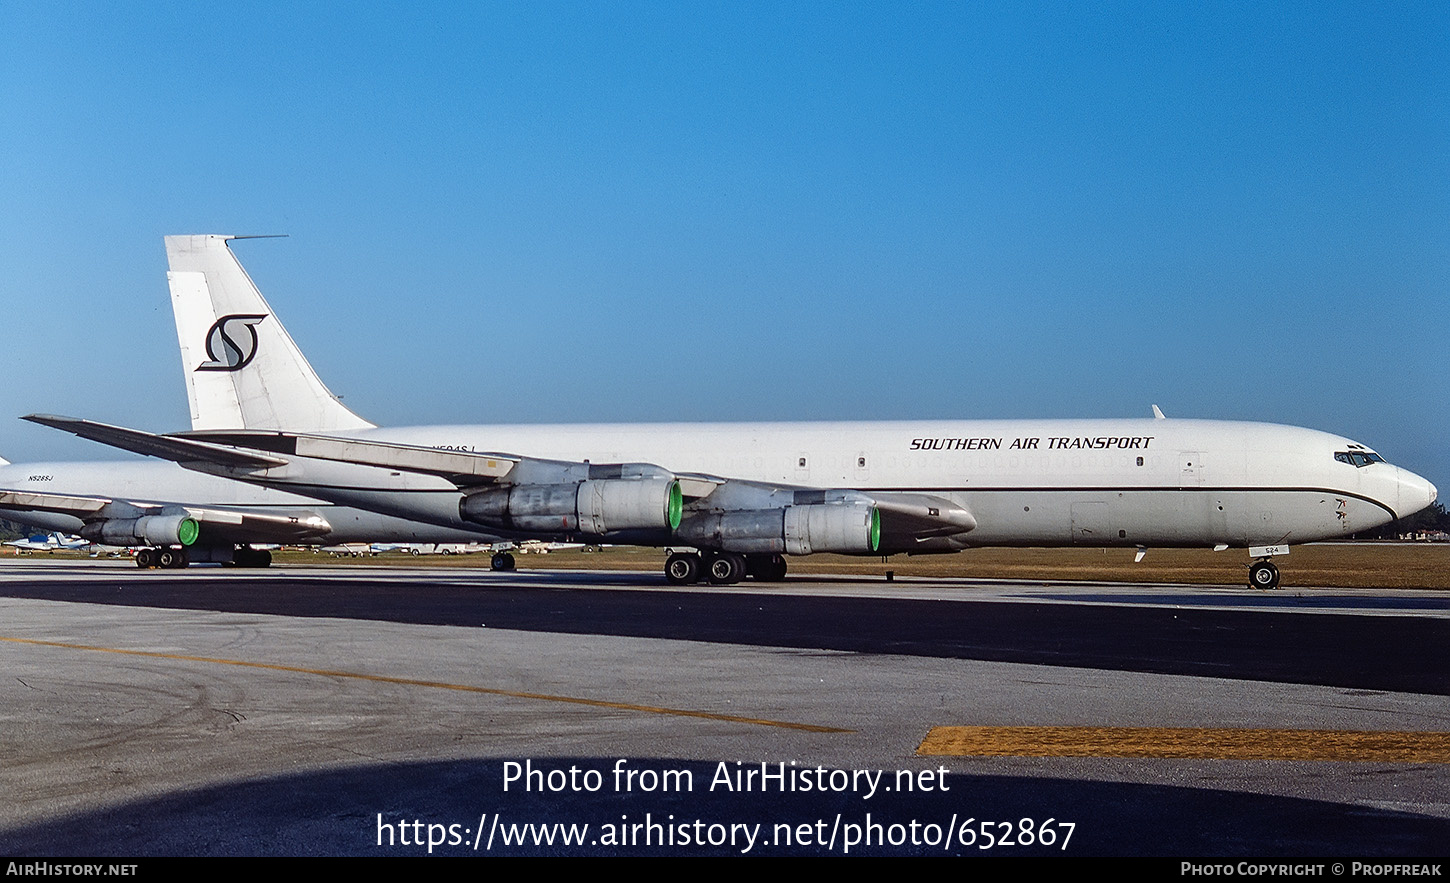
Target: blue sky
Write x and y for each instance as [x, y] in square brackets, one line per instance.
[519, 212]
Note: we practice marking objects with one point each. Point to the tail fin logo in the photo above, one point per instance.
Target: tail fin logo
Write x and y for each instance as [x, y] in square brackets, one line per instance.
[231, 343]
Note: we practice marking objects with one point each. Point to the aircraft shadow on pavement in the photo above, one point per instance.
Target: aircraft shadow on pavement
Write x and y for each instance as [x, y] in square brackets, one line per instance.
[348, 811]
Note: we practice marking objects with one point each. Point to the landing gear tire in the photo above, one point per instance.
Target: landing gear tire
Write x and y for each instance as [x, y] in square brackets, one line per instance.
[172, 558]
[1263, 575]
[766, 568]
[683, 569]
[146, 559]
[725, 569]
[503, 562]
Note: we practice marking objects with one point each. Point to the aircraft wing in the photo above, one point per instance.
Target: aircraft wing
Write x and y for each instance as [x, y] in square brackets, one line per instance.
[25, 501]
[916, 514]
[119, 520]
[463, 468]
[547, 497]
[243, 449]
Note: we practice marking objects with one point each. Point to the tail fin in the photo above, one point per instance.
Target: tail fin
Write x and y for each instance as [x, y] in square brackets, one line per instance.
[242, 369]
[4, 462]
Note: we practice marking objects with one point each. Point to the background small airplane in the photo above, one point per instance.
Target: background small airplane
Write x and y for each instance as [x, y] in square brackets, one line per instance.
[49, 542]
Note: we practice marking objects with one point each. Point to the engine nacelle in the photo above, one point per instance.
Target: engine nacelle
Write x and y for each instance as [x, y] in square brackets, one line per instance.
[793, 530]
[150, 530]
[594, 506]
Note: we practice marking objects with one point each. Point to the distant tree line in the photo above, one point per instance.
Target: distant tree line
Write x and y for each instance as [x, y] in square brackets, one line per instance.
[9, 530]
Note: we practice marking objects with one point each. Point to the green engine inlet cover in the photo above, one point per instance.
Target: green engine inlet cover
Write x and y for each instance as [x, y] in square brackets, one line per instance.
[188, 531]
[675, 508]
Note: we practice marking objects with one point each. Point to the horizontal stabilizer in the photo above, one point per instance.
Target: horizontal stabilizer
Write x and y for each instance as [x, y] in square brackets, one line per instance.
[166, 447]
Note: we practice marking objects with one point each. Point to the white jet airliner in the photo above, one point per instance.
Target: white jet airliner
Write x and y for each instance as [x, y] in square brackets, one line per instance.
[740, 497]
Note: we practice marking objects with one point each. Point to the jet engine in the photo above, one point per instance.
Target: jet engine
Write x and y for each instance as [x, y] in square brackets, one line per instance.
[593, 506]
[792, 530]
[150, 530]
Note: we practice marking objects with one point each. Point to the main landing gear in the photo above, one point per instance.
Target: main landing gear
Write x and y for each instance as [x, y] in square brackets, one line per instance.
[1263, 575]
[165, 557]
[722, 568]
[173, 558]
[502, 562]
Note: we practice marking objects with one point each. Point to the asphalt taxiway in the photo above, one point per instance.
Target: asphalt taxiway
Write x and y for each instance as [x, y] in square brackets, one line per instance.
[360, 711]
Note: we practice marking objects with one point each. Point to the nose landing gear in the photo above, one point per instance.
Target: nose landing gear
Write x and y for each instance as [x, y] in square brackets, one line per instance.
[1263, 575]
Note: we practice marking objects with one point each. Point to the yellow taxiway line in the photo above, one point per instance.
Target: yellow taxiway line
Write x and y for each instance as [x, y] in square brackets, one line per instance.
[1166, 742]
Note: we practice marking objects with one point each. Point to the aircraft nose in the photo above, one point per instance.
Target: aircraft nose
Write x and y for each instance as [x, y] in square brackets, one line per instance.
[1415, 493]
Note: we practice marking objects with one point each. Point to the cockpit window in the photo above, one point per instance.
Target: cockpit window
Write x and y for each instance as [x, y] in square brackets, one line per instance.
[1358, 458]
